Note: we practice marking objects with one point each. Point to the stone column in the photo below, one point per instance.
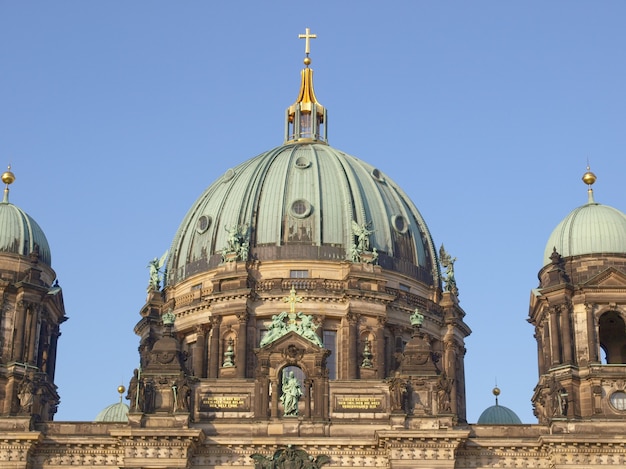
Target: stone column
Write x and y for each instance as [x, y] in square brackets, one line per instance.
[52, 352]
[275, 396]
[566, 333]
[199, 352]
[353, 330]
[33, 324]
[450, 350]
[307, 400]
[592, 342]
[554, 337]
[379, 349]
[540, 357]
[241, 356]
[18, 344]
[214, 355]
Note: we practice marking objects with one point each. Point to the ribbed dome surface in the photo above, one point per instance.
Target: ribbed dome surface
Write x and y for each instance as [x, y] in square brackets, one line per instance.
[114, 413]
[19, 233]
[299, 201]
[590, 229]
[498, 415]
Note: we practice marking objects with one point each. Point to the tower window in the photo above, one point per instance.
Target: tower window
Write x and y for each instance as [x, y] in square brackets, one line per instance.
[613, 337]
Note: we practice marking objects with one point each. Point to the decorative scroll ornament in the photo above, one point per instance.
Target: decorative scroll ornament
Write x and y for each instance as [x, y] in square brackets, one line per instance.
[361, 251]
[298, 322]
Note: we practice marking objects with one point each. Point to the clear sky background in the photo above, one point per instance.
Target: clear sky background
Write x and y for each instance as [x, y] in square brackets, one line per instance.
[117, 115]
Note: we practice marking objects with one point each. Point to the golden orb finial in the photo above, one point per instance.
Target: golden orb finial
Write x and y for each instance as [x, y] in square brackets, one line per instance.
[307, 61]
[121, 389]
[589, 178]
[8, 177]
[496, 391]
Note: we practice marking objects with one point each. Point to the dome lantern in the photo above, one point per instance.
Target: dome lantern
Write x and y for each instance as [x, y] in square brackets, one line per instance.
[306, 118]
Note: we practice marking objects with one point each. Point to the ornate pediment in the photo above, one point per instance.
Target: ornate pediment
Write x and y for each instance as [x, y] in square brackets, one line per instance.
[611, 277]
[292, 321]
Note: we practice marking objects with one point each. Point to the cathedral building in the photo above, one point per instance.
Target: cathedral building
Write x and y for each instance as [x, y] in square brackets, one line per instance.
[303, 317]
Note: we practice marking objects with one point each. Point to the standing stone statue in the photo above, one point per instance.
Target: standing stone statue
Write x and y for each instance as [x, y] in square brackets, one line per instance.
[155, 266]
[291, 394]
[447, 262]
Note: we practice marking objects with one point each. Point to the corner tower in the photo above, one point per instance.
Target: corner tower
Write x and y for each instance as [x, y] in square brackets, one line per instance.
[579, 314]
[31, 313]
[305, 268]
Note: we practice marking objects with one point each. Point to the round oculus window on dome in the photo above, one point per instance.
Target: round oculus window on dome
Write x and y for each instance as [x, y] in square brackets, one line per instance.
[377, 175]
[300, 208]
[228, 175]
[302, 162]
[203, 224]
[399, 224]
[618, 400]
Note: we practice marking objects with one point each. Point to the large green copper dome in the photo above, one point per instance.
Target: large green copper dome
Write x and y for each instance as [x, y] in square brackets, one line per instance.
[592, 228]
[299, 201]
[304, 200]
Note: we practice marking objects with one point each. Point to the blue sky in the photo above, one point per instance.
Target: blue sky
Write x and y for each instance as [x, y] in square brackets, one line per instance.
[117, 115]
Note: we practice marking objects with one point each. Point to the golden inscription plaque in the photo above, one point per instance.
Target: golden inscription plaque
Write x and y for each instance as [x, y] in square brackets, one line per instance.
[225, 403]
[358, 403]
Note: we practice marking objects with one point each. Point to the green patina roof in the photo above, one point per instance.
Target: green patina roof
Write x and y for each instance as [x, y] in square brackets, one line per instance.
[590, 229]
[19, 233]
[117, 412]
[305, 196]
[498, 415]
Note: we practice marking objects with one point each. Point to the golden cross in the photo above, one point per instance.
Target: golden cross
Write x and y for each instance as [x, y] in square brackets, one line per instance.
[292, 299]
[307, 44]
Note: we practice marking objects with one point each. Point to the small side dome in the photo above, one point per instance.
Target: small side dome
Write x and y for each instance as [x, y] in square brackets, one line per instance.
[117, 412]
[498, 414]
[19, 233]
[114, 413]
[592, 228]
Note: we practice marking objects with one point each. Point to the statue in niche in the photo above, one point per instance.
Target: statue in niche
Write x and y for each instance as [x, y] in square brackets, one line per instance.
[397, 393]
[291, 394]
[156, 275]
[182, 394]
[444, 389]
[237, 244]
[559, 398]
[26, 394]
[447, 262]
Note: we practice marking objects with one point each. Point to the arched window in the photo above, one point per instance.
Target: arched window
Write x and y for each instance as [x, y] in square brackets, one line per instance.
[613, 337]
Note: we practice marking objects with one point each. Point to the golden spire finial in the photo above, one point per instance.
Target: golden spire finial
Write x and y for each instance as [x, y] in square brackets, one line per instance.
[7, 177]
[307, 36]
[589, 178]
[306, 118]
